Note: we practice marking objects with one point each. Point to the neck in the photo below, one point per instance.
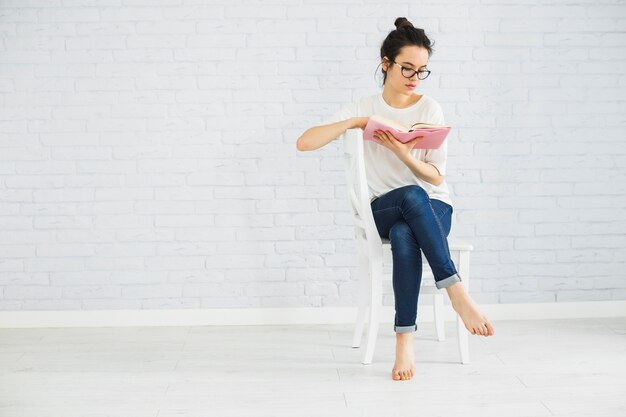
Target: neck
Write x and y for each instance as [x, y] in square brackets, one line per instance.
[396, 99]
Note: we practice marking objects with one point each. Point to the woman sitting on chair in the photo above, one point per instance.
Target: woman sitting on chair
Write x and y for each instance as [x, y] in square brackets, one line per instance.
[409, 196]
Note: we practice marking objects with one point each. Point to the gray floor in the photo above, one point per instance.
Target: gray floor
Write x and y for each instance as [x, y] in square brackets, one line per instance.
[528, 369]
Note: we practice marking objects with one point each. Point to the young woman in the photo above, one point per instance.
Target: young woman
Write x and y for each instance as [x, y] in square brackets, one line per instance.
[409, 195]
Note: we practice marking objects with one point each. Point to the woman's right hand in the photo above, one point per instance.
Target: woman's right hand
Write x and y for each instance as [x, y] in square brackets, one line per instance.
[359, 122]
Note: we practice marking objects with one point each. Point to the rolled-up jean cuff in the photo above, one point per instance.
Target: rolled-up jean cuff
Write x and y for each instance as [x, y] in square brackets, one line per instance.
[405, 329]
[452, 279]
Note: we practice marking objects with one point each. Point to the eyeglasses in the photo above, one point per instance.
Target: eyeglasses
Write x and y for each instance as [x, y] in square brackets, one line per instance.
[410, 72]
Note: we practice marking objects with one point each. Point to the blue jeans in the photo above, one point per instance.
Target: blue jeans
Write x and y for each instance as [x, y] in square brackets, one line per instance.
[412, 221]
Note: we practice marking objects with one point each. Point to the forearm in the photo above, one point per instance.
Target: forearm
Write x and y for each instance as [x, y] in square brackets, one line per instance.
[319, 136]
[423, 170]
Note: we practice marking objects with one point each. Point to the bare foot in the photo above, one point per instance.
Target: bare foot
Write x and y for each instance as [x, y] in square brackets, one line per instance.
[405, 365]
[475, 322]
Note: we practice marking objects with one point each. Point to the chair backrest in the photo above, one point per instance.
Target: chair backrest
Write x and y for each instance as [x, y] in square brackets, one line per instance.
[356, 182]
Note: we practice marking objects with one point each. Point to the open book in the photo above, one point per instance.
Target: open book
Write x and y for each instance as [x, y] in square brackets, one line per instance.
[432, 135]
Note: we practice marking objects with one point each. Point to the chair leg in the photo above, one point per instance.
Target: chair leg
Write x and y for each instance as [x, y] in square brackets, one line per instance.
[438, 311]
[360, 324]
[462, 331]
[463, 340]
[364, 297]
[374, 313]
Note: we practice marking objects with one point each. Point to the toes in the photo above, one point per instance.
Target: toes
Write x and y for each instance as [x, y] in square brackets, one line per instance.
[479, 330]
[400, 375]
[487, 329]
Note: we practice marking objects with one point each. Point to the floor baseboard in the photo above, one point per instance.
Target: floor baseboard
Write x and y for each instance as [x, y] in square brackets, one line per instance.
[282, 316]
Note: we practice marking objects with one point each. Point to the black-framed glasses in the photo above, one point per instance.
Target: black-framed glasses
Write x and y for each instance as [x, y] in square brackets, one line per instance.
[410, 72]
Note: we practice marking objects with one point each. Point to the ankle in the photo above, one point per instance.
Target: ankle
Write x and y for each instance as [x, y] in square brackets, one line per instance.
[456, 290]
[404, 337]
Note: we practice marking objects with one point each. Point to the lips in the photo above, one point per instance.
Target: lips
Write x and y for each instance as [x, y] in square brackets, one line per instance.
[411, 85]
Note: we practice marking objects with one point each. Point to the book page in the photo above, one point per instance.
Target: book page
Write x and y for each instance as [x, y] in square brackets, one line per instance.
[391, 123]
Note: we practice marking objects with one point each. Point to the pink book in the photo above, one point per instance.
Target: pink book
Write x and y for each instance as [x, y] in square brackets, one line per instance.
[432, 135]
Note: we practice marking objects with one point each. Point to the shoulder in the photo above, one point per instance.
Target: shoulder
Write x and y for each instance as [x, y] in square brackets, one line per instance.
[433, 110]
[363, 105]
[431, 102]
[368, 100]
[361, 102]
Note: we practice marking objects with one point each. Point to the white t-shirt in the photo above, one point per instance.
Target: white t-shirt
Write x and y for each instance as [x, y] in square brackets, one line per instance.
[385, 172]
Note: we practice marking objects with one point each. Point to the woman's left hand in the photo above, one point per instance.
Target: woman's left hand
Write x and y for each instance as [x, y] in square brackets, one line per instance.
[402, 150]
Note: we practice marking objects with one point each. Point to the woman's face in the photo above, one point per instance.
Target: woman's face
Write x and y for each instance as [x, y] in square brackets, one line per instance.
[413, 57]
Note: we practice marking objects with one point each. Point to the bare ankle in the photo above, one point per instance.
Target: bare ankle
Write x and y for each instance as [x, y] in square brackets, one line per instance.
[403, 337]
[456, 290]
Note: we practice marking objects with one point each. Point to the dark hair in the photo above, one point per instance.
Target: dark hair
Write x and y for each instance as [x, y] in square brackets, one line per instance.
[405, 34]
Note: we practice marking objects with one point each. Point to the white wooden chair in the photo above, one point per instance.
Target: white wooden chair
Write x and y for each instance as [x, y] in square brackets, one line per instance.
[370, 253]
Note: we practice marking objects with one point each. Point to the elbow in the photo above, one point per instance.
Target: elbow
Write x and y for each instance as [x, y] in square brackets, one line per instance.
[440, 178]
[301, 144]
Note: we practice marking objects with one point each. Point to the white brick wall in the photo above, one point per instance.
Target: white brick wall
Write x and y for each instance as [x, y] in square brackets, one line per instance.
[148, 160]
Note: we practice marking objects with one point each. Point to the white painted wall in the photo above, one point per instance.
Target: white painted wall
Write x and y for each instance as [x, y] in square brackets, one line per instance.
[148, 159]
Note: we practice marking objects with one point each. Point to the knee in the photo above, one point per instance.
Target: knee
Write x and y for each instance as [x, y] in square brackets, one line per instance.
[415, 196]
[401, 233]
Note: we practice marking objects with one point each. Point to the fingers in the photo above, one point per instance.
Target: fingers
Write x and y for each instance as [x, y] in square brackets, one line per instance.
[385, 134]
[383, 138]
[381, 135]
[387, 137]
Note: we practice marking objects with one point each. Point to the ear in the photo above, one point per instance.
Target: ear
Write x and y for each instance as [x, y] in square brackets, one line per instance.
[385, 63]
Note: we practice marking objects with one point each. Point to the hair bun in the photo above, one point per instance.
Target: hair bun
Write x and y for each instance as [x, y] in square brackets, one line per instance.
[402, 22]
